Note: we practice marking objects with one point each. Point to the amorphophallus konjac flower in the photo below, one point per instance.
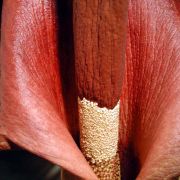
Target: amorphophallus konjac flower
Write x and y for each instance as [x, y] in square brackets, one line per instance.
[93, 86]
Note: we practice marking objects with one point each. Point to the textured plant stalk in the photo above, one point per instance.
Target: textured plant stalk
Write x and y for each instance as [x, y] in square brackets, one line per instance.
[99, 138]
[99, 43]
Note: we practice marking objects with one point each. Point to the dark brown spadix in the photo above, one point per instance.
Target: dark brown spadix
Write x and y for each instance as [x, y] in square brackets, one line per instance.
[99, 37]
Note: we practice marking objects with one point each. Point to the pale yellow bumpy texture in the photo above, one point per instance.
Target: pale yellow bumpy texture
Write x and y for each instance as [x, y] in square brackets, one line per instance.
[99, 134]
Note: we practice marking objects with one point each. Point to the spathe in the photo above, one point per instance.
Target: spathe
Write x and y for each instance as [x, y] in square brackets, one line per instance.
[32, 108]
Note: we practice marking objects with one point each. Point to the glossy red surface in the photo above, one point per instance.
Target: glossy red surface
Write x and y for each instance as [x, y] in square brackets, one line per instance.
[150, 102]
[32, 106]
